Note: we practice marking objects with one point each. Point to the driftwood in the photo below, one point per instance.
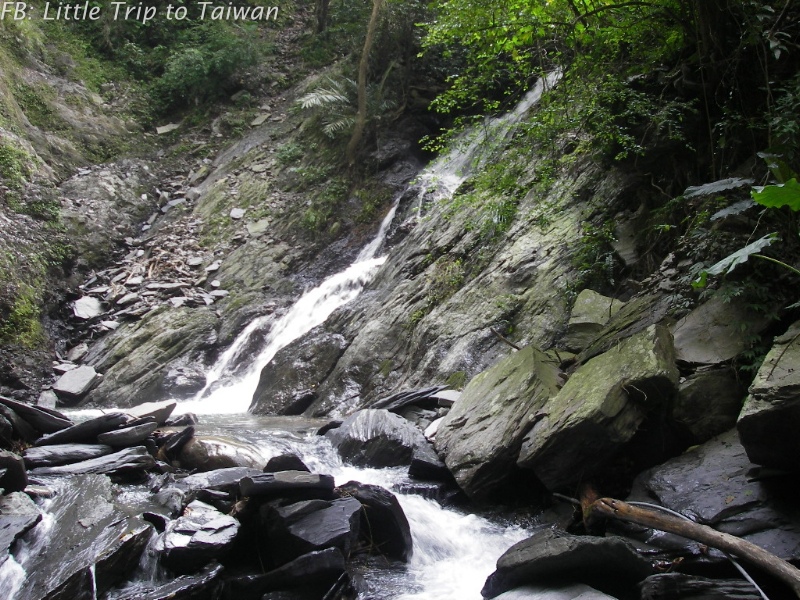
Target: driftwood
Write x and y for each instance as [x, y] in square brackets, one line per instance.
[617, 509]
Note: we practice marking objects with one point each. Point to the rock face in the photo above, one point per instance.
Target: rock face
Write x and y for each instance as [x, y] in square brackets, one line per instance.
[481, 436]
[768, 421]
[608, 564]
[600, 408]
[708, 403]
[590, 313]
[711, 485]
[376, 438]
[288, 385]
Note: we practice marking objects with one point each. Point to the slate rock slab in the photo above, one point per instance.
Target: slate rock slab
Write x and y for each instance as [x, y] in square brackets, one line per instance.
[202, 534]
[18, 514]
[124, 461]
[76, 383]
[322, 567]
[224, 480]
[160, 411]
[127, 436]
[275, 484]
[14, 477]
[183, 587]
[577, 591]
[86, 432]
[62, 454]
[606, 563]
[41, 419]
[285, 462]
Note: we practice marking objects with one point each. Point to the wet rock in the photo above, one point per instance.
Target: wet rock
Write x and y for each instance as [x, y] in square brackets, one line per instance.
[303, 527]
[6, 431]
[13, 476]
[384, 526]
[667, 586]
[125, 461]
[481, 435]
[47, 399]
[128, 436]
[590, 313]
[423, 398]
[86, 432]
[78, 352]
[768, 422]
[600, 408]
[576, 591]
[174, 443]
[708, 403]
[609, 564]
[376, 438]
[287, 383]
[74, 384]
[320, 568]
[184, 381]
[209, 453]
[710, 484]
[225, 480]
[90, 533]
[275, 484]
[19, 426]
[182, 420]
[160, 411]
[184, 587]
[202, 534]
[18, 514]
[426, 464]
[61, 454]
[285, 462]
[716, 331]
[40, 418]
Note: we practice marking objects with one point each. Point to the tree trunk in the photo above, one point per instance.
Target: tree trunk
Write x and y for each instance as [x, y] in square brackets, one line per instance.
[322, 14]
[361, 115]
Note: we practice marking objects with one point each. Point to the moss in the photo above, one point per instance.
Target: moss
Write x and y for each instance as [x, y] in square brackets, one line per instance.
[457, 380]
[16, 165]
[21, 325]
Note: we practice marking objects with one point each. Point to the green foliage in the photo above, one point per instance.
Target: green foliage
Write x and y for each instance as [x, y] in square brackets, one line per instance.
[16, 165]
[595, 258]
[781, 194]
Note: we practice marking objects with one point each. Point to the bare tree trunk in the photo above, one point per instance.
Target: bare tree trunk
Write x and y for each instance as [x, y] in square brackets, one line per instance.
[361, 115]
[322, 14]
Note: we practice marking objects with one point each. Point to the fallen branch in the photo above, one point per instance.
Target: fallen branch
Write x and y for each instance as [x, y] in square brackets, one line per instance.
[617, 509]
[503, 338]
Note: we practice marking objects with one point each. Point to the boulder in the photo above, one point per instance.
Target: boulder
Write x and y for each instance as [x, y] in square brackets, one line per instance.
[184, 587]
[708, 403]
[768, 422]
[86, 308]
[716, 331]
[86, 432]
[667, 586]
[610, 564]
[18, 514]
[92, 539]
[41, 419]
[481, 435]
[128, 436]
[384, 526]
[201, 535]
[13, 476]
[600, 408]
[426, 464]
[76, 383]
[285, 462]
[160, 411]
[576, 591]
[376, 438]
[711, 484]
[287, 382]
[223, 480]
[19, 426]
[125, 461]
[277, 484]
[313, 525]
[321, 568]
[209, 453]
[62, 454]
[590, 313]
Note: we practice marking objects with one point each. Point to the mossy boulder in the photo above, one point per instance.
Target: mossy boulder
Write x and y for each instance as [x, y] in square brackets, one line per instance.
[481, 435]
[600, 408]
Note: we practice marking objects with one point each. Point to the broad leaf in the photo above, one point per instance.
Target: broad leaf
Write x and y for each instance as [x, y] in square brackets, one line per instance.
[730, 262]
[782, 194]
[716, 187]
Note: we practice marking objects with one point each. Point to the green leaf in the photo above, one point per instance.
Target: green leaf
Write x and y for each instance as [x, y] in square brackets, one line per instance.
[730, 262]
[782, 194]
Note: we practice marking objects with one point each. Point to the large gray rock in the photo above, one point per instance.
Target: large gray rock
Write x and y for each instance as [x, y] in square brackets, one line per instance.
[202, 534]
[125, 461]
[18, 514]
[609, 564]
[62, 454]
[160, 411]
[128, 436]
[184, 587]
[600, 408]
[85, 432]
[92, 539]
[481, 436]
[376, 438]
[716, 331]
[86, 308]
[322, 567]
[710, 484]
[13, 477]
[41, 419]
[576, 591]
[283, 482]
[708, 403]
[76, 383]
[288, 383]
[224, 480]
[768, 423]
[209, 453]
[590, 313]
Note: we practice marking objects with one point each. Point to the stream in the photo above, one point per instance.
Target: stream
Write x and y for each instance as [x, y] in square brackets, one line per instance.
[453, 551]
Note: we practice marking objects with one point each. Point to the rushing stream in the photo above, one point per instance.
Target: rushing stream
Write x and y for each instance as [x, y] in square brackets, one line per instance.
[453, 552]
